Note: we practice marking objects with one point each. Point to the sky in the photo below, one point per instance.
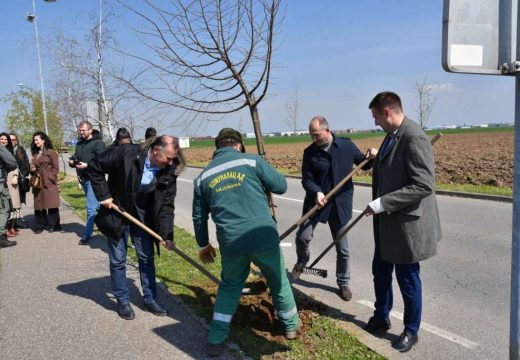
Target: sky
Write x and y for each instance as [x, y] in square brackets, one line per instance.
[337, 54]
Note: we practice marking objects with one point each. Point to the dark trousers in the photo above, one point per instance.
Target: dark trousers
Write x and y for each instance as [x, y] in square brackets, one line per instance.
[409, 283]
[305, 234]
[46, 217]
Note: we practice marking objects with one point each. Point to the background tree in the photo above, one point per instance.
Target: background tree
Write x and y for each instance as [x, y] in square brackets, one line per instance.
[83, 74]
[291, 108]
[207, 57]
[424, 90]
[25, 116]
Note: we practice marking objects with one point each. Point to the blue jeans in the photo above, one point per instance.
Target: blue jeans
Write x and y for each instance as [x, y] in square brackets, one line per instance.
[92, 208]
[144, 247]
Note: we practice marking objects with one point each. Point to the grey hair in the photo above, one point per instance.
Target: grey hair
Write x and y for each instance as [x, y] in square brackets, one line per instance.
[324, 124]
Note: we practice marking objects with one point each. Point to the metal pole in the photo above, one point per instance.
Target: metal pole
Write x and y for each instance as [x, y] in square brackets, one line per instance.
[41, 73]
[514, 335]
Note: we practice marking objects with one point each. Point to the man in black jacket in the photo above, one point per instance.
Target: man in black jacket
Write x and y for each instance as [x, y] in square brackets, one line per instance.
[143, 183]
[325, 163]
[86, 149]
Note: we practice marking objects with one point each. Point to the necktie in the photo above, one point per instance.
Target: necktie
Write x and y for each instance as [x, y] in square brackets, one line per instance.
[387, 145]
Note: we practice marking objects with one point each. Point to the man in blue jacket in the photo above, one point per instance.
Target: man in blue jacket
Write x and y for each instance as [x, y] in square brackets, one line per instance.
[232, 188]
[325, 163]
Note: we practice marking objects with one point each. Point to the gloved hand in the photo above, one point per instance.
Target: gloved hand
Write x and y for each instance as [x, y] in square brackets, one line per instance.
[207, 254]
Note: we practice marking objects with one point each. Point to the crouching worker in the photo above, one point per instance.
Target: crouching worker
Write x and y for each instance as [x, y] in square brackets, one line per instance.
[144, 184]
[232, 188]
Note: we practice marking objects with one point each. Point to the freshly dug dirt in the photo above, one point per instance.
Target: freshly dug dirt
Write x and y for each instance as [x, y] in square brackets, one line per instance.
[473, 158]
[256, 311]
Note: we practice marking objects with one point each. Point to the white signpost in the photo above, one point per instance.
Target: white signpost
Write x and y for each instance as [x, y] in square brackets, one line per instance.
[479, 37]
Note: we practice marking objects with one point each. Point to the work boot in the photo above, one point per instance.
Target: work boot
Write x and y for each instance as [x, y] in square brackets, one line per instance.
[214, 350]
[296, 271]
[4, 242]
[293, 334]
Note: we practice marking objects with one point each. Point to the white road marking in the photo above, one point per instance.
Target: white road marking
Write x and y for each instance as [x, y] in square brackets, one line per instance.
[286, 198]
[431, 328]
[275, 196]
[285, 244]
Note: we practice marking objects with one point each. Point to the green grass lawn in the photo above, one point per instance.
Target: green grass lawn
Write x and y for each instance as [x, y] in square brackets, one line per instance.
[323, 339]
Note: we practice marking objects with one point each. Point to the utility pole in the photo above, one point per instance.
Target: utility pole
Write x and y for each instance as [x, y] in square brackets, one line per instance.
[31, 17]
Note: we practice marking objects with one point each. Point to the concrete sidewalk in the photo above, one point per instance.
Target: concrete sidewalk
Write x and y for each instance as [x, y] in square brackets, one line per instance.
[56, 304]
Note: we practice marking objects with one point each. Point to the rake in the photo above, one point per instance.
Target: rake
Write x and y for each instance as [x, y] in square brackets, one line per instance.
[323, 272]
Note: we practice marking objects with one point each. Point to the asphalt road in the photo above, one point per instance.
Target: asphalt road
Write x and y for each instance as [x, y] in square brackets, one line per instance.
[466, 286]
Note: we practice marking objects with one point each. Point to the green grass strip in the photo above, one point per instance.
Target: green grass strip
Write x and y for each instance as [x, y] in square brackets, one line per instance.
[324, 340]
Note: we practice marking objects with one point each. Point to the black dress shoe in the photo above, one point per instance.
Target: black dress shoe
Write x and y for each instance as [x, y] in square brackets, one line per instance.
[125, 311]
[155, 309]
[345, 293]
[54, 228]
[376, 325]
[4, 242]
[405, 342]
[38, 231]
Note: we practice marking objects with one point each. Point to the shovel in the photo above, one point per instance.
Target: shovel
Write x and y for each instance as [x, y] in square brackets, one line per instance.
[161, 241]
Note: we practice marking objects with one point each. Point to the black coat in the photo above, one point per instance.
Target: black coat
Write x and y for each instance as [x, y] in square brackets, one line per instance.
[86, 150]
[124, 165]
[322, 170]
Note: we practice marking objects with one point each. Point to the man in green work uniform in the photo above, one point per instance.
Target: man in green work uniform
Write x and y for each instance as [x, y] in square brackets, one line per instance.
[233, 189]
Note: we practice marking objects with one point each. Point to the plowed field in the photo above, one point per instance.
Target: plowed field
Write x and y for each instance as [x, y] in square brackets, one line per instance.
[474, 158]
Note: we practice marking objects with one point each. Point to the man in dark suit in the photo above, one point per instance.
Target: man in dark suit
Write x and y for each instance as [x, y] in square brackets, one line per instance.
[406, 219]
[325, 163]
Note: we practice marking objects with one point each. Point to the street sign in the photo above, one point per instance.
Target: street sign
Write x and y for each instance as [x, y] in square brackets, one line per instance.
[479, 37]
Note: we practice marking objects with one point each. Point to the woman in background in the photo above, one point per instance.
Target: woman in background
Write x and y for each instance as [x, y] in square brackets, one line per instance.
[12, 185]
[23, 179]
[44, 163]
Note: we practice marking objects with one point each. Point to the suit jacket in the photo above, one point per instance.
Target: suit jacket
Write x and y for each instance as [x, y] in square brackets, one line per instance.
[404, 178]
[322, 170]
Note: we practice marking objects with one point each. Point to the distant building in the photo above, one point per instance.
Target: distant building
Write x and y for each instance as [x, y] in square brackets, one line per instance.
[184, 142]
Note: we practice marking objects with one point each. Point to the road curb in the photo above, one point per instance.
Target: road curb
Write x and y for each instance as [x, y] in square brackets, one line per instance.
[443, 192]
[437, 191]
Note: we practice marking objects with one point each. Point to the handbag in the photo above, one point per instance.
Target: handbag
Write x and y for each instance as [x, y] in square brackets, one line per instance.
[35, 182]
[23, 183]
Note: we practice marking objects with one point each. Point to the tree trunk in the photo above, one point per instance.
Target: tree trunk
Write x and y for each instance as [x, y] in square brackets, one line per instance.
[261, 151]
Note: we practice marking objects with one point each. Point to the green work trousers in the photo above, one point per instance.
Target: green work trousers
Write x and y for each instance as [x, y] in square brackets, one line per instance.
[235, 270]
[5, 207]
